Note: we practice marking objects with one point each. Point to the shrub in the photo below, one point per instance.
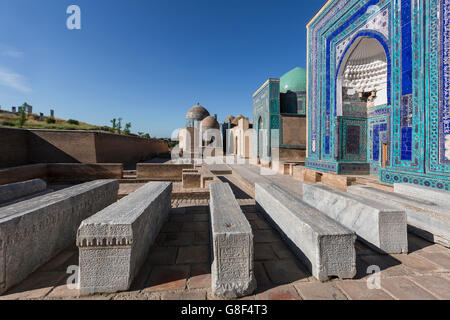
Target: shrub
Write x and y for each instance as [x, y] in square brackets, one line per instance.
[7, 123]
[22, 116]
[50, 120]
[74, 122]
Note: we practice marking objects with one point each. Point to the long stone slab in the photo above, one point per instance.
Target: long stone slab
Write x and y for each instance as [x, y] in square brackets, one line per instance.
[12, 191]
[424, 193]
[33, 231]
[381, 225]
[232, 245]
[427, 219]
[325, 246]
[114, 243]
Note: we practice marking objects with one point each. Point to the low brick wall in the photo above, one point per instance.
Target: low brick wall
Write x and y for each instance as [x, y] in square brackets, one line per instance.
[158, 171]
[23, 173]
[13, 147]
[336, 181]
[81, 172]
[22, 147]
[62, 172]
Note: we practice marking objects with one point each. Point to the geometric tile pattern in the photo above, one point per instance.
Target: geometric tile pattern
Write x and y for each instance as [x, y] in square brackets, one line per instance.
[416, 121]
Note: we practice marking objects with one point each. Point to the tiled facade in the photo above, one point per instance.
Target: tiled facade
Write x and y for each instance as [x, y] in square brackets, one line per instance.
[414, 126]
[270, 107]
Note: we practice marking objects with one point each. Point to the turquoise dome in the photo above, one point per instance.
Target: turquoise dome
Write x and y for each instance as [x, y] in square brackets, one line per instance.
[294, 80]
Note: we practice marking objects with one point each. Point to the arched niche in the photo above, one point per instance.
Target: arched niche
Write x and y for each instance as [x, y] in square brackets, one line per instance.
[363, 76]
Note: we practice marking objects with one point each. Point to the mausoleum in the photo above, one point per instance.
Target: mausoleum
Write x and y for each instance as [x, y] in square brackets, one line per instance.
[378, 90]
[279, 117]
[201, 136]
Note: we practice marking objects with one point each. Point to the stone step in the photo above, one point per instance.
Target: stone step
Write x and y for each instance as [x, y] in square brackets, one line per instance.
[372, 183]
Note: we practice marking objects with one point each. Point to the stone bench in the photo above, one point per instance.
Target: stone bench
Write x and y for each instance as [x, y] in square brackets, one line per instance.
[114, 243]
[34, 231]
[424, 193]
[379, 224]
[232, 245]
[10, 192]
[325, 246]
[427, 219]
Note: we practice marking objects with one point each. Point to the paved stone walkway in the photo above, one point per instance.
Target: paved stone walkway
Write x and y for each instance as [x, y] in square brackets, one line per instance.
[251, 174]
[178, 266]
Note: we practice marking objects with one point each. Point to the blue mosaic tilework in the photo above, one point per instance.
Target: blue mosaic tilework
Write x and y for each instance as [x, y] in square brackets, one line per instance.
[406, 143]
[376, 143]
[438, 84]
[321, 166]
[416, 123]
[353, 139]
[406, 47]
[392, 177]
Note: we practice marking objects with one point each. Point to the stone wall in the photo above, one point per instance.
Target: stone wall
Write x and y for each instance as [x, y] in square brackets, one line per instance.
[51, 146]
[157, 171]
[113, 148]
[294, 131]
[21, 147]
[61, 172]
[23, 173]
[13, 147]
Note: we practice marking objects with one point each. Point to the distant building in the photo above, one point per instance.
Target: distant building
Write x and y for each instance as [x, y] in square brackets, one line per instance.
[201, 137]
[279, 119]
[237, 135]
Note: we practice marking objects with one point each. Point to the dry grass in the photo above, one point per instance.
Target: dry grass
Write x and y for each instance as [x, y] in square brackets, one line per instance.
[11, 121]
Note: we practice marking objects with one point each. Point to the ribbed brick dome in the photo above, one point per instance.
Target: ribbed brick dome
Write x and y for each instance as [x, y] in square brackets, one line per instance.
[197, 112]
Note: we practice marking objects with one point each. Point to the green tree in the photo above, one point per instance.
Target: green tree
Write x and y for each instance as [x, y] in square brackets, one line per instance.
[140, 134]
[119, 126]
[114, 124]
[50, 120]
[127, 128]
[147, 135]
[22, 115]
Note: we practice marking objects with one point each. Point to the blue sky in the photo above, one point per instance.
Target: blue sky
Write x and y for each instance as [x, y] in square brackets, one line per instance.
[147, 61]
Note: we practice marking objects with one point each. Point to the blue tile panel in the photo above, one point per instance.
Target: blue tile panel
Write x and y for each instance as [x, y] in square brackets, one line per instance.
[353, 139]
[376, 143]
[407, 66]
[406, 144]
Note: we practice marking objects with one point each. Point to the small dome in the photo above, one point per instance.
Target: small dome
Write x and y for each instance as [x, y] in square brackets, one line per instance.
[236, 120]
[229, 118]
[197, 112]
[294, 80]
[210, 123]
